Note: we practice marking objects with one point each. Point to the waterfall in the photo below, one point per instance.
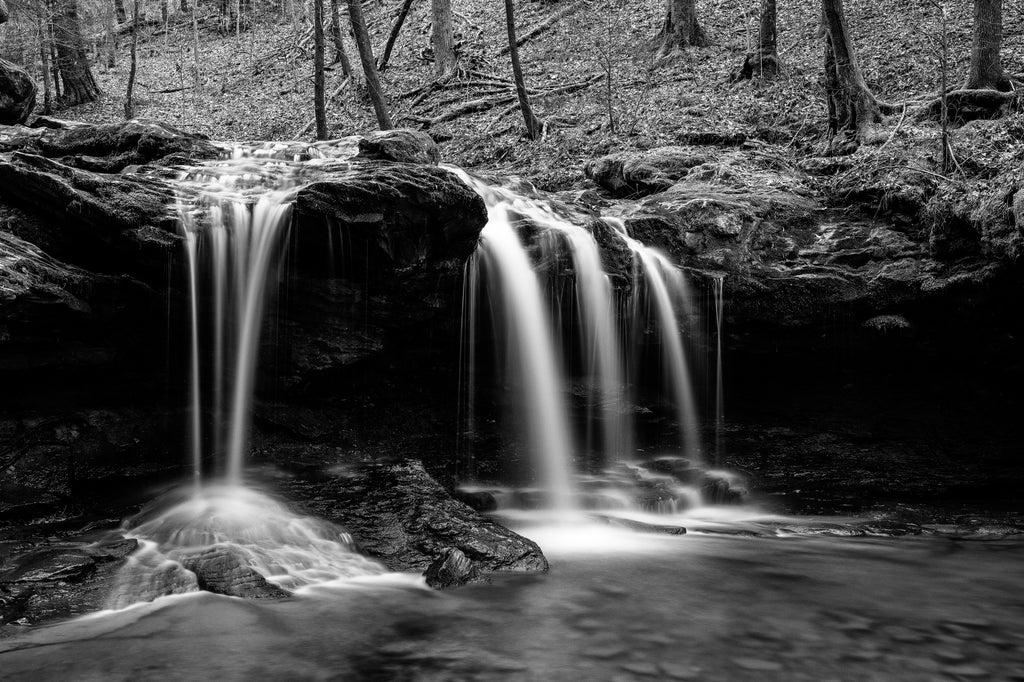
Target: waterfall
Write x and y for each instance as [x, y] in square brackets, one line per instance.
[525, 238]
[718, 283]
[235, 217]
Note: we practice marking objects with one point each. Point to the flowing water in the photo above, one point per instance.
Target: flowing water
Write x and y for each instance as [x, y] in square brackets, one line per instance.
[235, 216]
[616, 606]
[527, 305]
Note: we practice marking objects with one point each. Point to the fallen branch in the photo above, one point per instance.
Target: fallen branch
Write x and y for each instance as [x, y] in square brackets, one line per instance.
[544, 26]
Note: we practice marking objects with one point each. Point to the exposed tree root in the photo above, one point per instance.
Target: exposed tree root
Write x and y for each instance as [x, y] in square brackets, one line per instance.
[757, 65]
[969, 105]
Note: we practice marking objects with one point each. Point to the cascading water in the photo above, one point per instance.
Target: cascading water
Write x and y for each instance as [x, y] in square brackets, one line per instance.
[505, 271]
[235, 218]
[719, 289]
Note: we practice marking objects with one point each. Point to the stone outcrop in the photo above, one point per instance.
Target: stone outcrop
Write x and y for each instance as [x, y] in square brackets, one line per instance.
[398, 514]
[93, 314]
[789, 253]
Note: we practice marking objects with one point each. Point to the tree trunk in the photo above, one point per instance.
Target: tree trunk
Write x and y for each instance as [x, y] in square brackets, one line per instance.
[44, 61]
[395, 30]
[319, 94]
[851, 105]
[129, 103]
[681, 28]
[442, 38]
[195, 49]
[340, 55]
[986, 68]
[533, 124]
[4, 13]
[76, 75]
[355, 14]
[112, 41]
[763, 63]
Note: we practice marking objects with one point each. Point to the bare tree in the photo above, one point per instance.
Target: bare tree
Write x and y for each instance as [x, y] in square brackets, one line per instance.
[533, 124]
[72, 62]
[442, 38]
[988, 90]
[852, 107]
[340, 54]
[395, 30]
[319, 94]
[355, 15]
[129, 98]
[681, 28]
[986, 66]
[44, 62]
[764, 62]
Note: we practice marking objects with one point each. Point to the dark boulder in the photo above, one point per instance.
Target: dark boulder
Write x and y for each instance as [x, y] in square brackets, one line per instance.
[17, 94]
[399, 235]
[111, 147]
[218, 569]
[407, 146]
[641, 173]
[398, 514]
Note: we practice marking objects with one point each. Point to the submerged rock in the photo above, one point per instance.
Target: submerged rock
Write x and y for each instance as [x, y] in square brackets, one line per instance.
[221, 571]
[398, 514]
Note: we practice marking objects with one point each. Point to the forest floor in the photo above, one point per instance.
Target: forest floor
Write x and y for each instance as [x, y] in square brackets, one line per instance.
[257, 83]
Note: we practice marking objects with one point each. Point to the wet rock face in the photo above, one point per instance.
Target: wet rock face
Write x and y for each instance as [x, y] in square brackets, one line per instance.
[93, 314]
[57, 579]
[402, 517]
[379, 251]
[788, 254]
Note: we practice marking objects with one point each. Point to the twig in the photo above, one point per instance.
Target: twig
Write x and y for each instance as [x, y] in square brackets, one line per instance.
[899, 124]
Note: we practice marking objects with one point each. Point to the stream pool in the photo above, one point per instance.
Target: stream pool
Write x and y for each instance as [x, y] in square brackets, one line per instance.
[616, 605]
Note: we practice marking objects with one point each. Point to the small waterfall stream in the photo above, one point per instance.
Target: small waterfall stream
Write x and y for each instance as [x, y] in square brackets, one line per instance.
[524, 238]
[235, 216]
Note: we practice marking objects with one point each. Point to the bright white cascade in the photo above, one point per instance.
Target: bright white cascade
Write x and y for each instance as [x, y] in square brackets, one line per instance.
[506, 269]
[235, 217]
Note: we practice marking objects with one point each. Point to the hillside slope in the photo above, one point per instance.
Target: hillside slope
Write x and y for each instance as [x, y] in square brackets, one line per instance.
[258, 84]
